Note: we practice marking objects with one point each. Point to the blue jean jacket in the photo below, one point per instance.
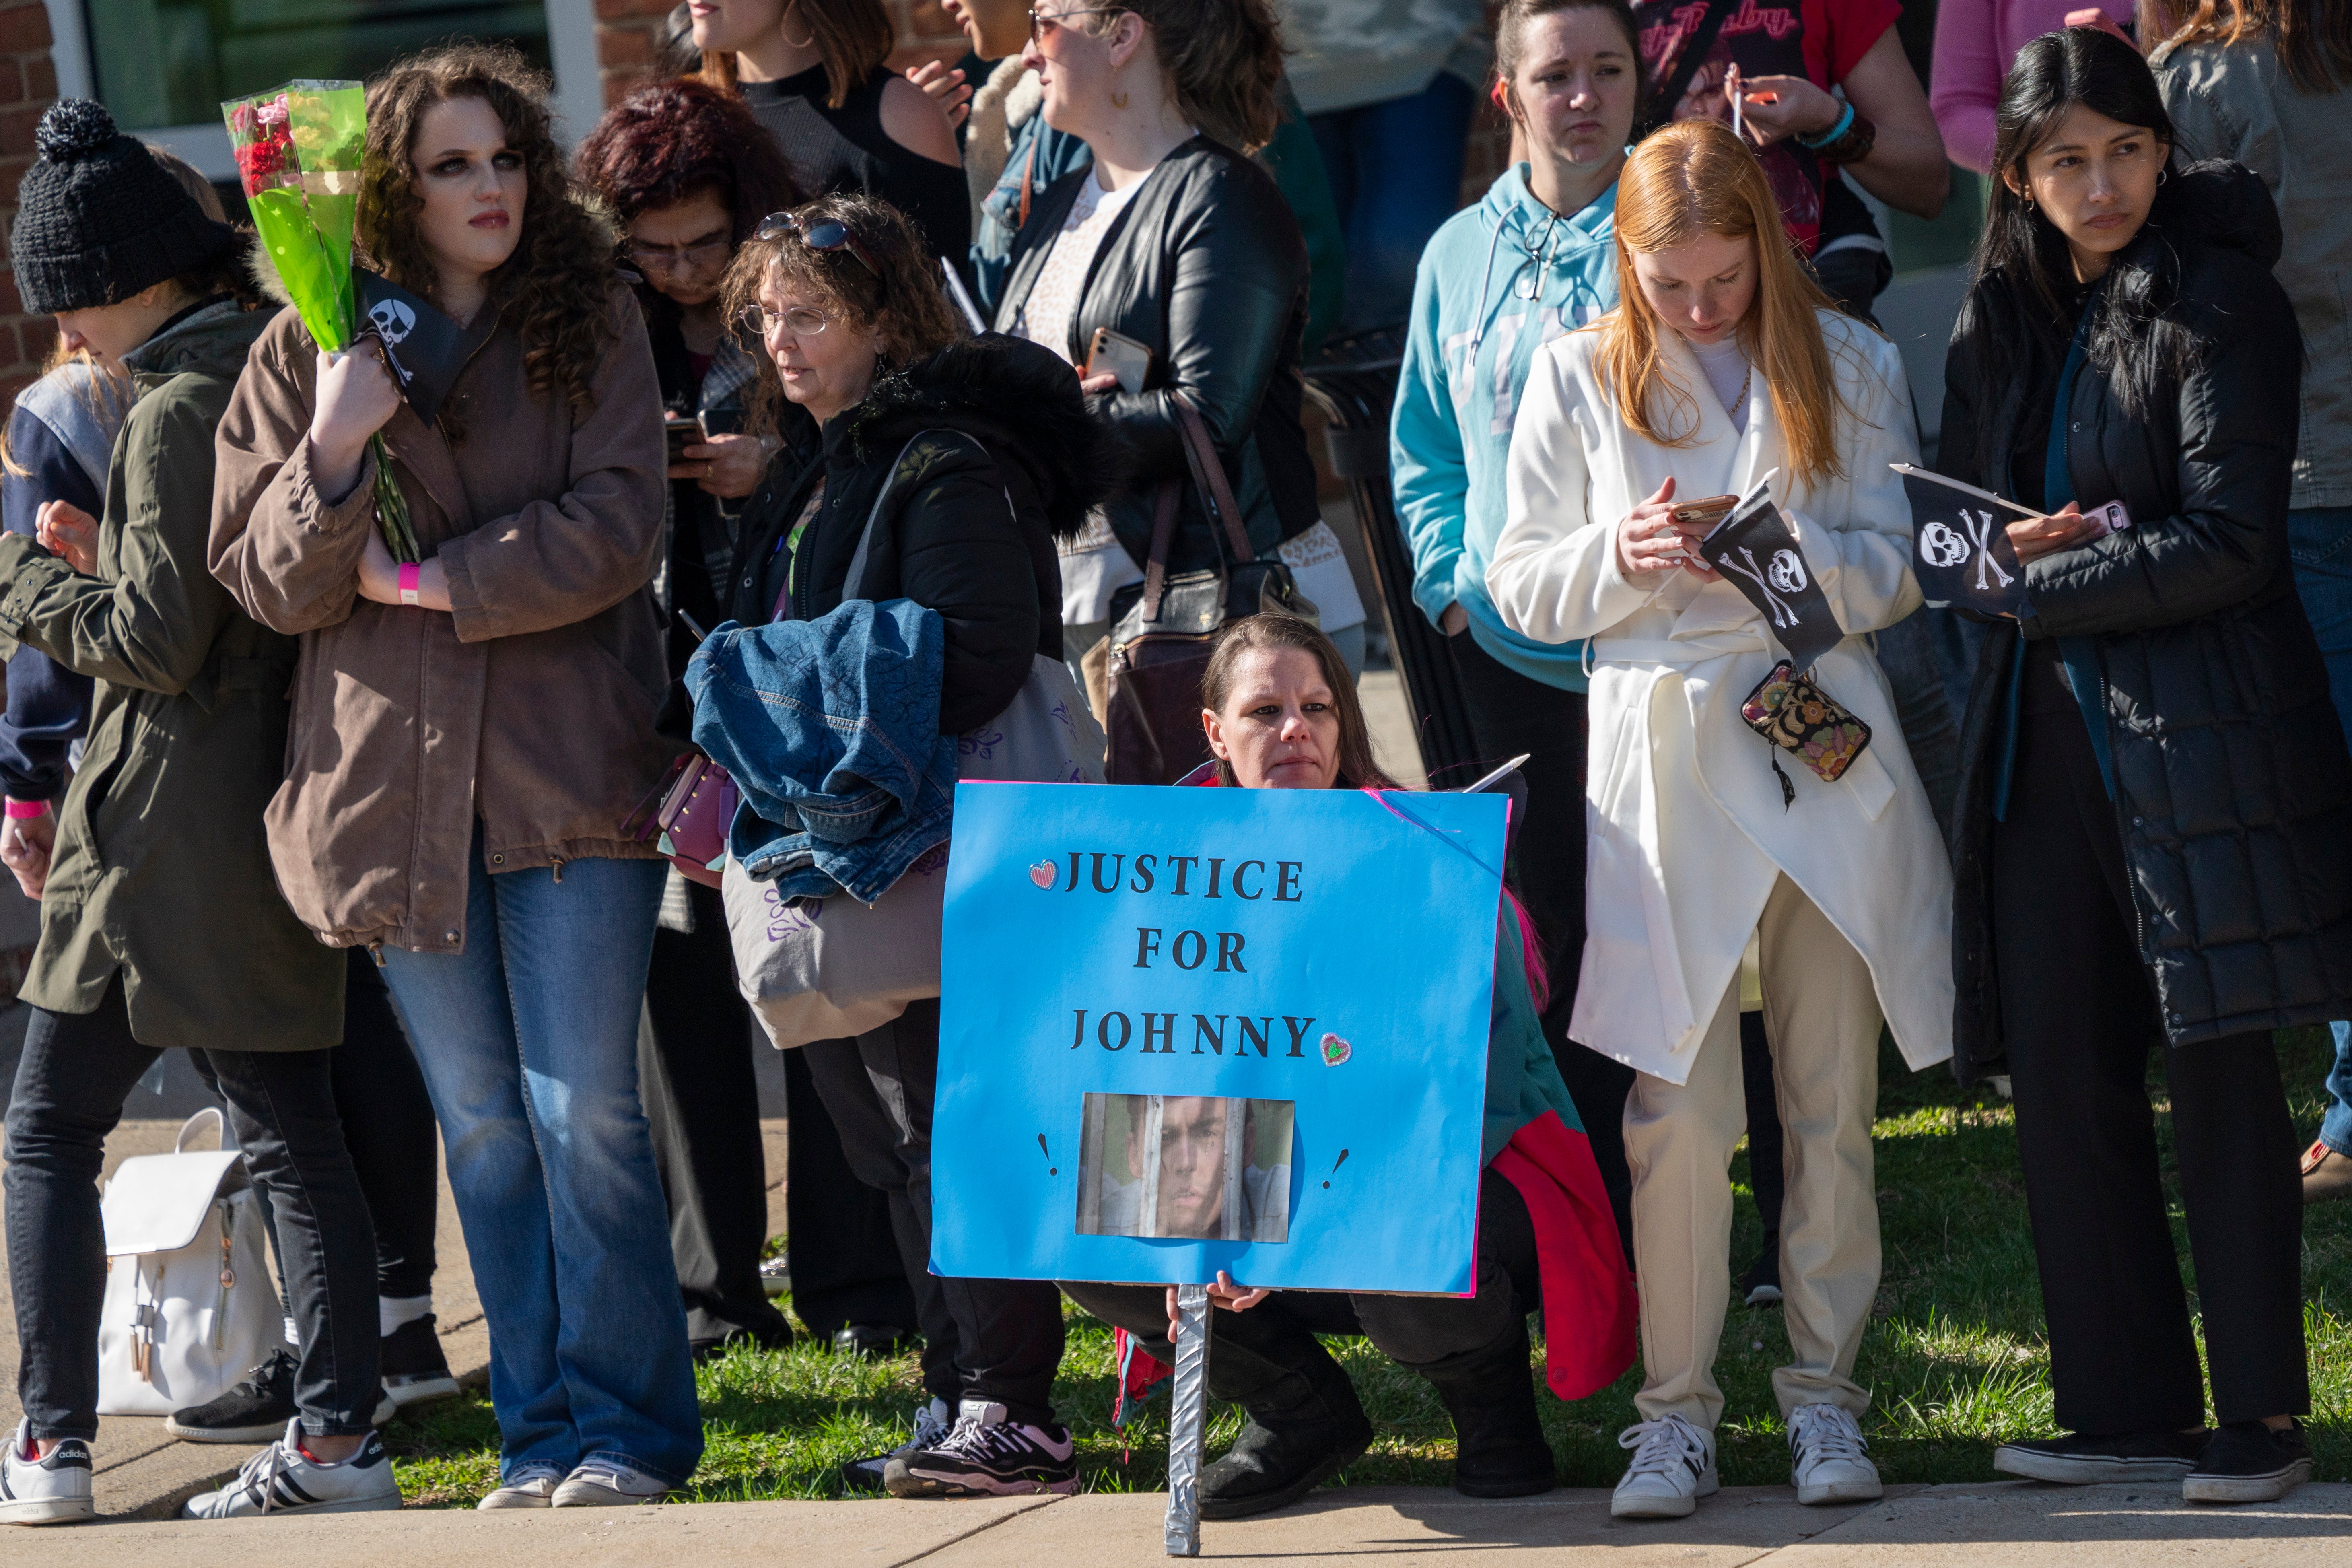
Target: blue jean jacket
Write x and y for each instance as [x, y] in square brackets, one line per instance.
[831, 729]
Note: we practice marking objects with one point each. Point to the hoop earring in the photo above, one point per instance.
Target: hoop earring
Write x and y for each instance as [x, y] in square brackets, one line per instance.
[807, 43]
[1118, 101]
[2163, 174]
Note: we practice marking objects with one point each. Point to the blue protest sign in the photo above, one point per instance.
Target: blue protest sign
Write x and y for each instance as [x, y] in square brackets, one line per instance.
[1185, 1029]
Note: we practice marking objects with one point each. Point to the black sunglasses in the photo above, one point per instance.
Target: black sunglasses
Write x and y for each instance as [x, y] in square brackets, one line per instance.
[819, 234]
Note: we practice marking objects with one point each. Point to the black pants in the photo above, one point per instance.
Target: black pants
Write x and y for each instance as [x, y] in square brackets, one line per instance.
[388, 1125]
[70, 1083]
[994, 1340]
[847, 1264]
[1767, 1177]
[2080, 1015]
[1510, 713]
[702, 1105]
[1434, 1336]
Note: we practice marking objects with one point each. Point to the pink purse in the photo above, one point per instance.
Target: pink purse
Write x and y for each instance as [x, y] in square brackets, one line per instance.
[697, 807]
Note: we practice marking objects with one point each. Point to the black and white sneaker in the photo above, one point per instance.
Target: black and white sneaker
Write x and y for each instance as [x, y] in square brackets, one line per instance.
[932, 1418]
[2248, 1462]
[282, 1479]
[35, 1491]
[2086, 1459]
[415, 1369]
[1761, 1287]
[987, 1455]
[254, 1411]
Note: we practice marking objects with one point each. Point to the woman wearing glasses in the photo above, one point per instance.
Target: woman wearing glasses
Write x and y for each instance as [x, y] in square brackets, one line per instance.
[469, 733]
[866, 353]
[688, 172]
[1170, 237]
[817, 75]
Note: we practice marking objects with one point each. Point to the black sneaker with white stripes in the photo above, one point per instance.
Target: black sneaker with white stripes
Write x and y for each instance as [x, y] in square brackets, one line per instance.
[987, 1455]
[282, 1479]
[255, 1410]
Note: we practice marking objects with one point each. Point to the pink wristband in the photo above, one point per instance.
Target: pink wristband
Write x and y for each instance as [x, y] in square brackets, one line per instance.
[24, 809]
[409, 574]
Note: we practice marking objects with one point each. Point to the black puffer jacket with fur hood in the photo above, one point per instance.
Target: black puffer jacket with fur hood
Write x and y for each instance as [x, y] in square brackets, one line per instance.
[2235, 792]
[970, 464]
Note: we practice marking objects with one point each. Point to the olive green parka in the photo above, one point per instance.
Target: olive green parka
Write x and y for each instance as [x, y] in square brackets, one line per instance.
[161, 869]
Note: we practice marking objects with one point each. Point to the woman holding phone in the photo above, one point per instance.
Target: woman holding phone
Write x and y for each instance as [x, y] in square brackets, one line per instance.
[2189, 829]
[1174, 241]
[1724, 369]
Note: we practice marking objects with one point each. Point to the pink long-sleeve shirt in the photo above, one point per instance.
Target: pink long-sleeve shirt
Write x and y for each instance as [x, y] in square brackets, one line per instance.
[1975, 42]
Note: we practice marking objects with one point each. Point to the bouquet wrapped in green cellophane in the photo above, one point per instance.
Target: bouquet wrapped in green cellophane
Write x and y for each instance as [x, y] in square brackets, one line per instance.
[298, 154]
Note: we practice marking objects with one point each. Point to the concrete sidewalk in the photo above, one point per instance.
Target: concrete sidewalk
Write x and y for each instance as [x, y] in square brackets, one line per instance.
[2020, 1524]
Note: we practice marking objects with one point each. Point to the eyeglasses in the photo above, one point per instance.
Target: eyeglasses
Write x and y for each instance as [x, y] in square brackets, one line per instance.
[678, 258]
[801, 320]
[817, 234]
[1037, 19]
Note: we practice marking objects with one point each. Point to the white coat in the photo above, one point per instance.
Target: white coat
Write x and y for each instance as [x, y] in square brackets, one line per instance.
[1685, 829]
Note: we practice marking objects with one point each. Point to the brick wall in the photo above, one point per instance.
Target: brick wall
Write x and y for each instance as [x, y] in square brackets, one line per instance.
[28, 85]
[628, 35]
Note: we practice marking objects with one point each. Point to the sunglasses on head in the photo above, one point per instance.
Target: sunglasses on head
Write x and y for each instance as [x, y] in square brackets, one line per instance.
[817, 234]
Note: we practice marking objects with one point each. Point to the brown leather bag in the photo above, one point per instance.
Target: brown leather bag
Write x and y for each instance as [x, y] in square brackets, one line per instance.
[1161, 638]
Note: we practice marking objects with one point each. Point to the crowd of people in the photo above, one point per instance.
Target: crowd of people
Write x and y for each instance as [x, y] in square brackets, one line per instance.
[1016, 347]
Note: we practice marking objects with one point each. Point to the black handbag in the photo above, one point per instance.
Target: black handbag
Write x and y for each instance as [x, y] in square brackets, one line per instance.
[1164, 628]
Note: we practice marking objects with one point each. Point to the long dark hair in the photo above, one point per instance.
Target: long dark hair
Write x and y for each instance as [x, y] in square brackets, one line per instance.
[2313, 37]
[852, 38]
[552, 288]
[2020, 310]
[1273, 629]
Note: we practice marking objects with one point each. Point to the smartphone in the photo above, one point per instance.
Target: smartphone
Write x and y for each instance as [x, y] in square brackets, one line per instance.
[1709, 510]
[2110, 518]
[1117, 354]
[684, 431]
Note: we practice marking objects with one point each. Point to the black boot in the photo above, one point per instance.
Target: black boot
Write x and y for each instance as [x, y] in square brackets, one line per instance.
[1305, 1424]
[1498, 1443]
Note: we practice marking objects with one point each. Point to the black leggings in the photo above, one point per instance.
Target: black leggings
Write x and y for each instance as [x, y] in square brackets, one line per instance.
[70, 1083]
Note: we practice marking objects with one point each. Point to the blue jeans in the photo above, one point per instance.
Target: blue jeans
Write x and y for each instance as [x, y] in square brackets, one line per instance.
[529, 1043]
[1396, 174]
[2319, 542]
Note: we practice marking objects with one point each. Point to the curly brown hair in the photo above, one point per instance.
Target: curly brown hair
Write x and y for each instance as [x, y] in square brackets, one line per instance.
[664, 145]
[552, 290]
[905, 304]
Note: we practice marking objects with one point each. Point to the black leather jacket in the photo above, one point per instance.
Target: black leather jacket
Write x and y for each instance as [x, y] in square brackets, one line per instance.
[1204, 266]
[2235, 792]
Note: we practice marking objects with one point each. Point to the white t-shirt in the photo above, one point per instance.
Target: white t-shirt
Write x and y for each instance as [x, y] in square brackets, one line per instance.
[1726, 371]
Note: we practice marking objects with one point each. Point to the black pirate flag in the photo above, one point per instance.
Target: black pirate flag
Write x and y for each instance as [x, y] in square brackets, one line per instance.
[423, 348]
[1754, 548]
[1960, 548]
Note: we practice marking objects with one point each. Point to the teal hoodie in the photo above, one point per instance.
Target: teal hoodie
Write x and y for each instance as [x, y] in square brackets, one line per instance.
[1466, 355]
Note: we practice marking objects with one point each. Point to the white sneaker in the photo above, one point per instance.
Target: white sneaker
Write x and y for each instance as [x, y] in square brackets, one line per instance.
[282, 1479]
[601, 1483]
[34, 1491]
[934, 1418]
[1673, 1467]
[1828, 1461]
[531, 1486]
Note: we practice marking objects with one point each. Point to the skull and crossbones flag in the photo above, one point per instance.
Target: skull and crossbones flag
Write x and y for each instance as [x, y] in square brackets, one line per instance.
[1960, 548]
[1754, 549]
[423, 348]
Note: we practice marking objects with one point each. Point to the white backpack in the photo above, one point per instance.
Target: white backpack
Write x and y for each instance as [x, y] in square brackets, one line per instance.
[190, 1306]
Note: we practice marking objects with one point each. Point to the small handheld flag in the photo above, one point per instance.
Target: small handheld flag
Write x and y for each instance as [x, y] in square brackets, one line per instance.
[1754, 548]
[1960, 547]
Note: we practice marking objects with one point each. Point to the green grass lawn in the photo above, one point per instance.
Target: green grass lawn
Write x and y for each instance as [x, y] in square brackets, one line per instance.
[1957, 1357]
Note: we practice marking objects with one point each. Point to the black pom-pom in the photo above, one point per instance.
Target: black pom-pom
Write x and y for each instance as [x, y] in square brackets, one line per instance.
[73, 127]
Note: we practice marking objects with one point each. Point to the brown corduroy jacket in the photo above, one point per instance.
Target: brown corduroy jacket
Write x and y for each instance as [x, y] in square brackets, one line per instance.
[529, 706]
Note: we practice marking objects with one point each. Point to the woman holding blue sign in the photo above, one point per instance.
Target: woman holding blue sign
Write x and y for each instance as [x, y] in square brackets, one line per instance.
[2152, 767]
[1727, 370]
[1280, 711]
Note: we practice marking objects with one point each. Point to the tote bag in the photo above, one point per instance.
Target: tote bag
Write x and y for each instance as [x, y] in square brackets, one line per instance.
[826, 969]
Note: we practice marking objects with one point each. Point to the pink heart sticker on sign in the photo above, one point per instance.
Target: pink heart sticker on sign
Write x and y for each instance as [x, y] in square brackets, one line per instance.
[1042, 873]
[1335, 1050]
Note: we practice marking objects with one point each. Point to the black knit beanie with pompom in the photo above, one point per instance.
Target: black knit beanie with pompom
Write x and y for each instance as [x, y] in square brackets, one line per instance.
[97, 219]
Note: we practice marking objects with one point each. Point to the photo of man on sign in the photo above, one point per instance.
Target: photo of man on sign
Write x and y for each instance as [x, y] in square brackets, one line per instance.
[1193, 1166]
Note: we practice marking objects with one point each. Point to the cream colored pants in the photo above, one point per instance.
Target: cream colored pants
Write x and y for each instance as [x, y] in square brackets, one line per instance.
[1820, 1013]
